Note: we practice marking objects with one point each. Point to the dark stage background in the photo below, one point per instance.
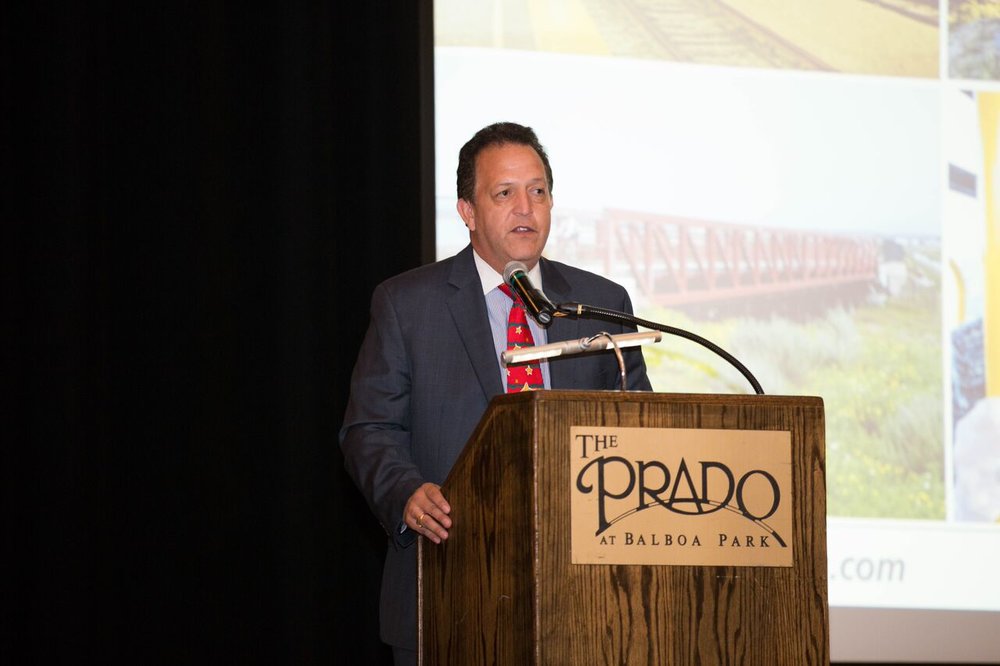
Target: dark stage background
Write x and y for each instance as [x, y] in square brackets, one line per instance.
[205, 195]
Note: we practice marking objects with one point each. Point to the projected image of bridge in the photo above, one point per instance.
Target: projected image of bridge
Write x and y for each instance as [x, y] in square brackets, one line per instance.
[675, 261]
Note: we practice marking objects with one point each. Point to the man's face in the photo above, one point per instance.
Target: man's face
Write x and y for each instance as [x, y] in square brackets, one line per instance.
[511, 215]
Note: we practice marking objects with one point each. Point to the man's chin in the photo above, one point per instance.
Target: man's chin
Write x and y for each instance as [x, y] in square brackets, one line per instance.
[528, 260]
[527, 255]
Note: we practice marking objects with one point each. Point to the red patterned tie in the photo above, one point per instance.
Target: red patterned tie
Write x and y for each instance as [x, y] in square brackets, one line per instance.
[523, 376]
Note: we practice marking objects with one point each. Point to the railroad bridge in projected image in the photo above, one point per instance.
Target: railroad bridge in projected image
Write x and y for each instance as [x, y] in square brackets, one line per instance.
[678, 261]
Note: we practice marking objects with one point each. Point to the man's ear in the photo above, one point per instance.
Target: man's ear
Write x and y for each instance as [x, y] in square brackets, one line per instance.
[467, 213]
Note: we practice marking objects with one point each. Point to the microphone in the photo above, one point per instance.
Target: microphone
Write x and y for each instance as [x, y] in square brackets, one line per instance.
[535, 302]
[542, 310]
[583, 345]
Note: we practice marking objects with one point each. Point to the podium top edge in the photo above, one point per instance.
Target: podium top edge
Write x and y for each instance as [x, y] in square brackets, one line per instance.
[565, 395]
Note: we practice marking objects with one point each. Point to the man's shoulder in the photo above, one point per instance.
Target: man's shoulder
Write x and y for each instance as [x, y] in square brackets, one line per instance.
[423, 279]
[421, 275]
[578, 278]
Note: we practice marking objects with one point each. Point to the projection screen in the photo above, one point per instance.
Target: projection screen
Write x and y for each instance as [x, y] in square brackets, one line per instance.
[813, 185]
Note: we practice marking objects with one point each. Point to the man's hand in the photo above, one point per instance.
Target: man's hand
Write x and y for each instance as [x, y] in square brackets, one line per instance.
[427, 512]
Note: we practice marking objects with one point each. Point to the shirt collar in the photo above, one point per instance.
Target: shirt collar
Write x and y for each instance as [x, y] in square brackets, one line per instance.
[491, 279]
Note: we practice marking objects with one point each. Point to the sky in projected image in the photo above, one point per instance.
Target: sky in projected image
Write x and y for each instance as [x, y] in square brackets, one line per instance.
[838, 153]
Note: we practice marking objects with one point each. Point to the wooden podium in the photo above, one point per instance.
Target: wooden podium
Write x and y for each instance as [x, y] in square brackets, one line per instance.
[504, 589]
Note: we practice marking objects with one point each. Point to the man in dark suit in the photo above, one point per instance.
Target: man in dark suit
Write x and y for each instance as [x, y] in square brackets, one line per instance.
[430, 363]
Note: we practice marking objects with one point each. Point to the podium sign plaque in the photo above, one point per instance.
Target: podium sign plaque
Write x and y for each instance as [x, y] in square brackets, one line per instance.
[681, 496]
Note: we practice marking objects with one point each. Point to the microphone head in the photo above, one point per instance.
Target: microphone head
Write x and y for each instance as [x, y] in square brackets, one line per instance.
[513, 267]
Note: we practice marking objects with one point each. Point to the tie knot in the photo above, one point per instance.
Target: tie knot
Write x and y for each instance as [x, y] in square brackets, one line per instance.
[505, 288]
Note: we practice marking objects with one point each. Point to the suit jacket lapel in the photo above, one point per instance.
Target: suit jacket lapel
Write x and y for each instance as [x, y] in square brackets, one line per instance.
[468, 311]
[558, 289]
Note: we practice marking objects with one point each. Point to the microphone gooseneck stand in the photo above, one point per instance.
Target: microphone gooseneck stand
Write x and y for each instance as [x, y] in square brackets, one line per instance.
[580, 310]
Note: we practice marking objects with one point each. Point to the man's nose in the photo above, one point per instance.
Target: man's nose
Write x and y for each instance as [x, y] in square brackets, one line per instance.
[523, 203]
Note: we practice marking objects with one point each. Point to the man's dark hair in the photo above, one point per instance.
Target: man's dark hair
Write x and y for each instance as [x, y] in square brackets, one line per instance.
[496, 134]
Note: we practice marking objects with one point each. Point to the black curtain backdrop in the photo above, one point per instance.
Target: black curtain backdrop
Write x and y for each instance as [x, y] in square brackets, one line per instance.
[205, 196]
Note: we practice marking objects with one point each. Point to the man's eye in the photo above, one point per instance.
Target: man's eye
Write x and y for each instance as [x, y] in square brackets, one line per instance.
[502, 194]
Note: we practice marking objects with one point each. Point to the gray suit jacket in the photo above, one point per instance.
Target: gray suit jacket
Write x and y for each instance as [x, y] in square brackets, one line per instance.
[426, 371]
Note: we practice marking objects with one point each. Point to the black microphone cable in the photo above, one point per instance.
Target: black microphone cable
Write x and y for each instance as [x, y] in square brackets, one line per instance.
[579, 310]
